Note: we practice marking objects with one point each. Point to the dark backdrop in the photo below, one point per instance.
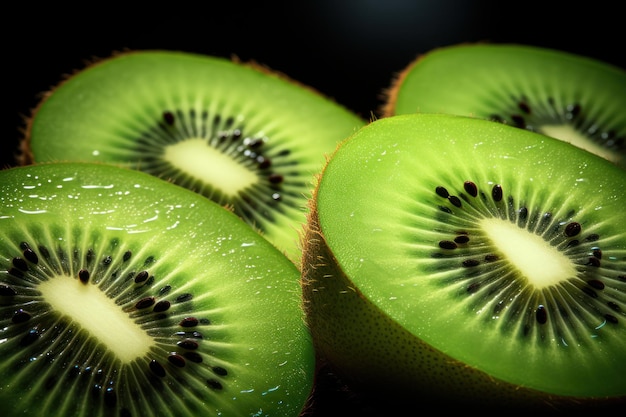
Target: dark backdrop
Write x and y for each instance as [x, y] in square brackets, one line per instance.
[346, 49]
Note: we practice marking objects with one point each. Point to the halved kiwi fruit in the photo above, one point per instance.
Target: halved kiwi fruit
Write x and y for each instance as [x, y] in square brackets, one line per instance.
[571, 97]
[238, 133]
[123, 295]
[454, 260]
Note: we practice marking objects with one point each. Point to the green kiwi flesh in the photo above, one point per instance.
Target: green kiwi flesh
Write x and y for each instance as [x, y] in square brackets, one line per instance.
[124, 295]
[470, 262]
[238, 133]
[571, 97]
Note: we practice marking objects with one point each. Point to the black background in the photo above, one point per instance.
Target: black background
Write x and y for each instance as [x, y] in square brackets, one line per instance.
[348, 50]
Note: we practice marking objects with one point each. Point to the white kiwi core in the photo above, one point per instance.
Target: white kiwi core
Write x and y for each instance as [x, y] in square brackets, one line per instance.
[98, 314]
[541, 264]
[568, 134]
[200, 160]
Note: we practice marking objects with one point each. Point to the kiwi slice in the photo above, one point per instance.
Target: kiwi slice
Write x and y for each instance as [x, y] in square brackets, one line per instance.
[477, 264]
[124, 295]
[238, 133]
[574, 98]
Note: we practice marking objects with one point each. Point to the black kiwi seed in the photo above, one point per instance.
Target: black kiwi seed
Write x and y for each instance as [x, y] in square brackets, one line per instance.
[193, 356]
[471, 188]
[161, 306]
[496, 192]
[214, 384]
[491, 258]
[447, 244]
[590, 292]
[442, 192]
[184, 297]
[188, 344]
[141, 276]
[20, 264]
[522, 213]
[524, 106]
[165, 290]
[593, 261]
[470, 263]
[145, 303]
[7, 291]
[83, 275]
[73, 371]
[572, 229]
[189, 322]
[614, 306]
[597, 284]
[455, 200]
[30, 255]
[16, 273]
[30, 337]
[176, 360]
[110, 398]
[89, 257]
[473, 287]
[157, 368]
[541, 314]
[168, 118]
[220, 371]
[461, 239]
[21, 316]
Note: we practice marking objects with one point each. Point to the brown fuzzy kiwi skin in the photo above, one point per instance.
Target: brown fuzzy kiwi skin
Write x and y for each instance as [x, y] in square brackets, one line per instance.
[389, 95]
[24, 156]
[406, 372]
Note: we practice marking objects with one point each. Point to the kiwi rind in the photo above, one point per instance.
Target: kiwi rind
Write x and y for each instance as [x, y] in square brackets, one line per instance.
[365, 275]
[257, 354]
[550, 91]
[126, 108]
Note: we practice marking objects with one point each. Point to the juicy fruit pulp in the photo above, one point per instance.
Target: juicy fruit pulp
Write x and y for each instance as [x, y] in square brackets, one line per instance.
[121, 294]
[573, 98]
[235, 133]
[473, 258]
